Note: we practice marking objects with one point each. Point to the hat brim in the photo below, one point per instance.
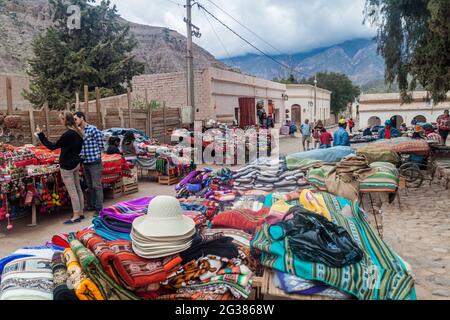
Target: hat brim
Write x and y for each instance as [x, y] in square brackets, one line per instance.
[147, 226]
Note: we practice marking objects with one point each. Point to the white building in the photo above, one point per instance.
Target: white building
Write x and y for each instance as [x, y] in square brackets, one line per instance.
[301, 103]
[375, 109]
[220, 95]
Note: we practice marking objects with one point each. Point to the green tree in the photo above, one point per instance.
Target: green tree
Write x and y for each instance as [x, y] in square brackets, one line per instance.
[414, 39]
[98, 55]
[290, 80]
[342, 89]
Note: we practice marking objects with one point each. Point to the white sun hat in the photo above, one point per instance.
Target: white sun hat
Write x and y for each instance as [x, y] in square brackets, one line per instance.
[164, 219]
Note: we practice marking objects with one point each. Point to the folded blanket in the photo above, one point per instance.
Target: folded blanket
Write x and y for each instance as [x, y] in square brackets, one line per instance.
[85, 288]
[123, 265]
[60, 277]
[331, 155]
[28, 278]
[61, 241]
[203, 245]
[91, 265]
[106, 233]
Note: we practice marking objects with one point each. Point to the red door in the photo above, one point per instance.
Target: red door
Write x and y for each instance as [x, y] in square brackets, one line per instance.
[247, 110]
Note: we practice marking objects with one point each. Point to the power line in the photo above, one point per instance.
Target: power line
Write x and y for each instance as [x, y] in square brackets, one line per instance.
[249, 43]
[218, 38]
[247, 28]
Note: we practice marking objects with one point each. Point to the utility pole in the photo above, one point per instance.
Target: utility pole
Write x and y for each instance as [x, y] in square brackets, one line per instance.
[190, 61]
[315, 97]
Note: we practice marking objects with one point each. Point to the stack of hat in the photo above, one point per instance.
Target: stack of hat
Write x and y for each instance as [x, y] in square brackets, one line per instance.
[164, 231]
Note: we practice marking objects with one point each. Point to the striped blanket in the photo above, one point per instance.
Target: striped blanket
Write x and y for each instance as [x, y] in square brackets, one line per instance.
[380, 275]
[404, 145]
[385, 179]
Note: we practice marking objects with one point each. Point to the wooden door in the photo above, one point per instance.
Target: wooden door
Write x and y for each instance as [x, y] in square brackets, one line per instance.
[296, 114]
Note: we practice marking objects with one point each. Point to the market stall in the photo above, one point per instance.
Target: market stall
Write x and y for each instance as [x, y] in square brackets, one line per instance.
[225, 240]
[31, 184]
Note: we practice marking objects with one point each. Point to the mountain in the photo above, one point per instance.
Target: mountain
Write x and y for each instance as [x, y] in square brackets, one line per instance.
[357, 58]
[161, 49]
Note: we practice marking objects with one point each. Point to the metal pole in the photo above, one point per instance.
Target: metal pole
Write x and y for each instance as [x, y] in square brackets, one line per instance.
[315, 97]
[190, 61]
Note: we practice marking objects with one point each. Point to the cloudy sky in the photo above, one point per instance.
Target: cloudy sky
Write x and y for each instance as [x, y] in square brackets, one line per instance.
[288, 25]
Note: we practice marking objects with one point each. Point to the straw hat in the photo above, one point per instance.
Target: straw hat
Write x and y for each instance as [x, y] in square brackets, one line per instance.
[164, 219]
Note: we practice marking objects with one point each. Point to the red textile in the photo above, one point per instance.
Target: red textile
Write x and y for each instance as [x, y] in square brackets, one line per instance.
[61, 241]
[128, 269]
[243, 219]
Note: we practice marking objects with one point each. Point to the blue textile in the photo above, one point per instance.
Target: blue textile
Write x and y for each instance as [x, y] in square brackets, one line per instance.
[341, 138]
[334, 154]
[93, 145]
[106, 233]
[8, 259]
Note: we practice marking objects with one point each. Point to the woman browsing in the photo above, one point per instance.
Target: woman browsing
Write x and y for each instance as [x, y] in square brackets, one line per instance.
[70, 143]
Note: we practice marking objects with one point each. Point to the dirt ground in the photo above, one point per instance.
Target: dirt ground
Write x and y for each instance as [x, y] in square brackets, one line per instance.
[419, 231]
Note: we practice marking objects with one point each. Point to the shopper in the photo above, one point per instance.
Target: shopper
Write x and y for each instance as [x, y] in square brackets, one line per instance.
[70, 143]
[351, 125]
[129, 147]
[389, 132]
[316, 133]
[443, 123]
[341, 137]
[305, 129]
[91, 156]
[325, 139]
[113, 146]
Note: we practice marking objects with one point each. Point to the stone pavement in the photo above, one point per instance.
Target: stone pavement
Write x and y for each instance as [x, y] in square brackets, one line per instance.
[420, 233]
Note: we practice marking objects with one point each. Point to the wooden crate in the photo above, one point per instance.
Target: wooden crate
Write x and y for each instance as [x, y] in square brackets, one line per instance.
[130, 188]
[116, 191]
[133, 179]
[168, 180]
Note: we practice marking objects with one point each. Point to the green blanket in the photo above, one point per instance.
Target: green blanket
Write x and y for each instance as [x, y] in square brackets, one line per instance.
[380, 275]
[94, 270]
[385, 179]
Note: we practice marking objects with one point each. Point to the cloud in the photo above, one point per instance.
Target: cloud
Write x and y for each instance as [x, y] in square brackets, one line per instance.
[290, 26]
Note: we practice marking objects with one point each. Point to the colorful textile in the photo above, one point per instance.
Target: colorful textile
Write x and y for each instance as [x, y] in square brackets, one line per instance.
[60, 277]
[210, 245]
[295, 285]
[11, 258]
[128, 269]
[385, 178]
[61, 241]
[241, 219]
[27, 279]
[106, 233]
[404, 145]
[325, 155]
[380, 275]
[93, 268]
[378, 154]
[85, 288]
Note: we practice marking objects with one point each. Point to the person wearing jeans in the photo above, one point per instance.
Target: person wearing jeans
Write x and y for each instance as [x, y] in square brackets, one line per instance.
[443, 123]
[70, 143]
[91, 156]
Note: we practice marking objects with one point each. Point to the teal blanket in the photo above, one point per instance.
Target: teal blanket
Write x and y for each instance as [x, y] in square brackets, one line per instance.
[380, 275]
